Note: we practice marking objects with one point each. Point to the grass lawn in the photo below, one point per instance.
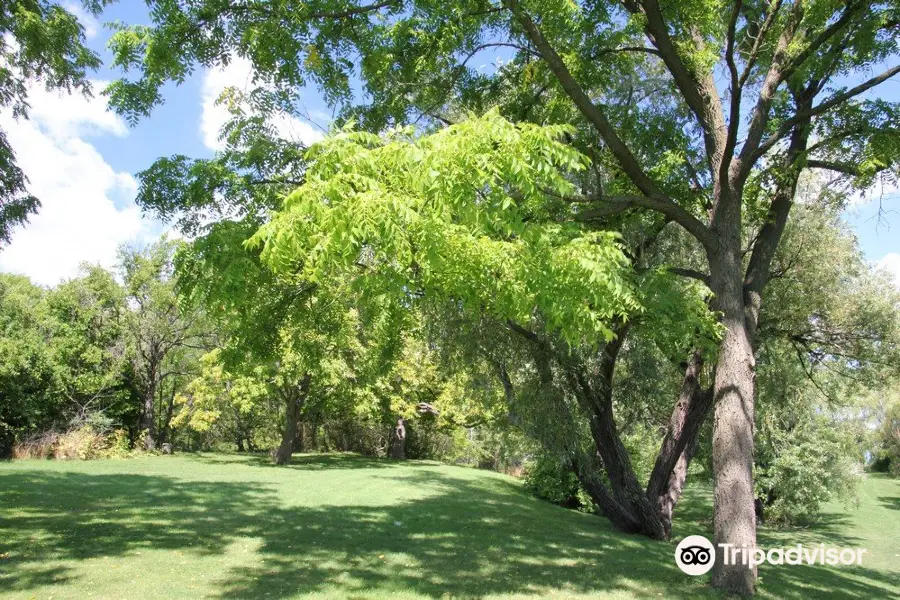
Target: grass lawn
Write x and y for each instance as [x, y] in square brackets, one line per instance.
[336, 526]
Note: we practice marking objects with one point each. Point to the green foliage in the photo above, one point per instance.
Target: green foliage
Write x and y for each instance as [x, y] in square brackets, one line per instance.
[828, 342]
[802, 463]
[222, 406]
[887, 449]
[165, 337]
[462, 214]
[549, 478]
[26, 366]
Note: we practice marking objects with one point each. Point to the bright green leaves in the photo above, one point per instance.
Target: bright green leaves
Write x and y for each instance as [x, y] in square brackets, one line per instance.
[459, 214]
[677, 316]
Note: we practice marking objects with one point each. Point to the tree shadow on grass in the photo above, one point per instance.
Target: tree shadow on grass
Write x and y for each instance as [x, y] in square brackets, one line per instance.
[464, 538]
[892, 502]
[306, 462]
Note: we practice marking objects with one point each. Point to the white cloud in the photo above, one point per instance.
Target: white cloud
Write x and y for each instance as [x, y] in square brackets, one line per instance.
[90, 24]
[87, 207]
[891, 263]
[239, 74]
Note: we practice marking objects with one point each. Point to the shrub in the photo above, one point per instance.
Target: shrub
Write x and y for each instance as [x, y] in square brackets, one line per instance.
[548, 477]
[82, 443]
[117, 445]
[363, 436]
[36, 446]
[424, 440]
[503, 449]
[887, 454]
[7, 441]
[800, 469]
[79, 443]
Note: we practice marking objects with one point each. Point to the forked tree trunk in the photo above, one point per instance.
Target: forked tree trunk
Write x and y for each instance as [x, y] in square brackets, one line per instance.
[294, 399]
[666, 483]
[622, 500]
[628, 506]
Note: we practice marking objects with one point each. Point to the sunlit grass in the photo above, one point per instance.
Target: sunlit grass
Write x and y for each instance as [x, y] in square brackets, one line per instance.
[337, 526]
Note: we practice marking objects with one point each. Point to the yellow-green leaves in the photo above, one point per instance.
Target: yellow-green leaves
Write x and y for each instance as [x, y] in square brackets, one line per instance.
[460, 214]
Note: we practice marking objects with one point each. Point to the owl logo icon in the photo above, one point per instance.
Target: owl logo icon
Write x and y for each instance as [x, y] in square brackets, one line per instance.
[695, 555]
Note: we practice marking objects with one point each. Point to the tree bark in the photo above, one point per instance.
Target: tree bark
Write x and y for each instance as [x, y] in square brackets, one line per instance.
[666, 482]
[148, 420]
[294, 399]
[620, 516]
[595, 395]
[733, 423]
[166, 429]
[398, 441]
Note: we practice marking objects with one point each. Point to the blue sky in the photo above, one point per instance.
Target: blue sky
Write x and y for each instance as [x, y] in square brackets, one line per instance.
[82, 160]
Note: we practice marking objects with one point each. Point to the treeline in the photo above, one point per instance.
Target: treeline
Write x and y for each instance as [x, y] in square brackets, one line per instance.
[113, 362]
[166, 351]
[105, 350]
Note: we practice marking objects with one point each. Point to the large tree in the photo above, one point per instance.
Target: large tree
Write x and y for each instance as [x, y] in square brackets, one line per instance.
[164, 337]
[640, 79]
[472, 216]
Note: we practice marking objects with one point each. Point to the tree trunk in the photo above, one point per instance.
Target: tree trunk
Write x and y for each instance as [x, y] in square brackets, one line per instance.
[398, 441]
[624, 502]
[240, 443]
[148, 420]
[166, 429]
[595, 395]
[666, 482]
[620, 516]
[293, 403]
[732, 451]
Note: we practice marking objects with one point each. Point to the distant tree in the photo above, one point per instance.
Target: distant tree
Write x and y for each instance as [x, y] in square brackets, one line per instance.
[888, 439]
[26, 369]
[86, 342]
[222, 406]
[291, 333]
[165, 338]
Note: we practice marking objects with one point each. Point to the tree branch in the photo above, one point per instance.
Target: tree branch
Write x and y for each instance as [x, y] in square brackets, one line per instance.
[690, 273]
[350, 12]
[845, 168]
[760, 118]
[701, 97]
[825, 106]
[655, 198]
[823, 37]
[614, 205]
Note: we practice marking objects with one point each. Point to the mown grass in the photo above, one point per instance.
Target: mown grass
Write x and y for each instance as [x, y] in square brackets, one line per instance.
[338, 526]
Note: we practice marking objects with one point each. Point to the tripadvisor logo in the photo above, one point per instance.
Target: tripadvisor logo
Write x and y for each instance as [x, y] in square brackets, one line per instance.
[695, 555]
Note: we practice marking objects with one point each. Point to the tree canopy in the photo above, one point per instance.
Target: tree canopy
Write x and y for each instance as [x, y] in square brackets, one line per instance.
[610, 220]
